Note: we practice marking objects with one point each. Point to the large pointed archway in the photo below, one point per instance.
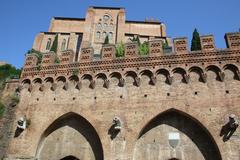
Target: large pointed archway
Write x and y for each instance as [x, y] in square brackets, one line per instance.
[175, 135]
[70, 134]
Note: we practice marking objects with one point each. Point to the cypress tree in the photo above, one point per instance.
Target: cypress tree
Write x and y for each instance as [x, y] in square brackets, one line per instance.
[106, 41]
[196, 44]
[55, 44]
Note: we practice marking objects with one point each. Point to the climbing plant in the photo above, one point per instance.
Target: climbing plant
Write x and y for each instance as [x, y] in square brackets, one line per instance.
[144, 48]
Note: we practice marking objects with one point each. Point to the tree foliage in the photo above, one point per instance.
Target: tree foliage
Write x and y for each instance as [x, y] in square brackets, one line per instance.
[55, 44]
[38, 54]
[106, 41]
[120, 50]
[196, 44]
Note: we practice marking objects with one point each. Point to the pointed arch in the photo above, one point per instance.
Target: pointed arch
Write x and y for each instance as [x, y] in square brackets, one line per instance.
[81, 125]
[187, 125]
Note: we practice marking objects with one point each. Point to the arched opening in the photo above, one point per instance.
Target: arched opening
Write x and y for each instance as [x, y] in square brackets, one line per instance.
[70, 134]
[175, 134]
[70, 158]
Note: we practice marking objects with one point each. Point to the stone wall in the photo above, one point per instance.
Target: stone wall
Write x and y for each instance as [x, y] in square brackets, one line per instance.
[169, 106]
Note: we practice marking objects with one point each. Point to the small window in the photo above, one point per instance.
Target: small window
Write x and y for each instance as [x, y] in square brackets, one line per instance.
[99, 26]
[104, 35]
[105, 26]
[98, 35]
[110, 35]
[106, 17]
[111, 26]
[48, 44]
[63, 45]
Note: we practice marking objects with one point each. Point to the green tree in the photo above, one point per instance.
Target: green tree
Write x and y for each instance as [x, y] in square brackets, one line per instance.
[120, 50]
[196, 44]
[106, 41]
[55, 44]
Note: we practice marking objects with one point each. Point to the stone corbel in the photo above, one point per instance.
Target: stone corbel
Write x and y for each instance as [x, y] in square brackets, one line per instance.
[153, 80]
[53, 87]
[186, 78]
[106, 83]
[42, 87]
[170, 79]
[65, 87]
[30, 88]
[121, 82]
[79, 85]
[92, 84]
[204, 77]
[221, 76]
[137, 81]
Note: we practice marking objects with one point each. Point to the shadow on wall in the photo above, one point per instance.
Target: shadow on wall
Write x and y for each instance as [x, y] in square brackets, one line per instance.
[190, 127]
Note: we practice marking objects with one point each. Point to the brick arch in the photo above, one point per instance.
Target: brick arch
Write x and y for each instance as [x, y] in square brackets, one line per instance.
[198, 70]
[133, 76]
[26, 81]
[37, 80]
[192, 128]
[61, 78]
[81, 125]
[165, 73]
[117, 75]
[147, 73]
[182, 72]
[49, 79]
[73, 78]
[233, 68]
[216, 70]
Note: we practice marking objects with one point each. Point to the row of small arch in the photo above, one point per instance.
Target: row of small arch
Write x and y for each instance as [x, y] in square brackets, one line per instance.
[201, 72]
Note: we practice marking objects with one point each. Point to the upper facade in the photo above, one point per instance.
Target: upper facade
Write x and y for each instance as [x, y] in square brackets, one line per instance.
[77, 33]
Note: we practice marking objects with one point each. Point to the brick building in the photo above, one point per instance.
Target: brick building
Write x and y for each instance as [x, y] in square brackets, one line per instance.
[181, 105]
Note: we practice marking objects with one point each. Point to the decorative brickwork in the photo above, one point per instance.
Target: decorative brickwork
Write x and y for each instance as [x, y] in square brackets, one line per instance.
[180, 45]
[108, 52]
[131, 50]
[155, 48]
[207, 43]
[233, 40]
[48, 59]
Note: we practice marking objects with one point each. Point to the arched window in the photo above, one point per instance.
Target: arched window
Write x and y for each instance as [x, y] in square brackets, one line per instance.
[111, 26]
[99, 26]
[63, 45]
[48, 44]
[98, 35]
[110, 35]
[105, 26]
[104, 35]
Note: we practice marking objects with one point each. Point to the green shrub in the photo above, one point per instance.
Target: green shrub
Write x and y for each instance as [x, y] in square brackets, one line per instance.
[120, 50]
[2, 109]
[38, 54]
[57, 60]
[144, 48]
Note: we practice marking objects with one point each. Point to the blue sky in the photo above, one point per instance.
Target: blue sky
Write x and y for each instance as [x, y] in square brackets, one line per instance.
[21, 20]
